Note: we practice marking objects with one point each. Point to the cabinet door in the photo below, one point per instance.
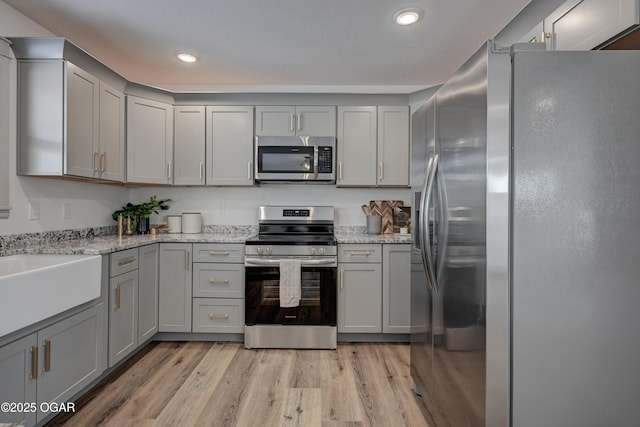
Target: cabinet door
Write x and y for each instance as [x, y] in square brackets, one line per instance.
[174, 311]
[229, 145]
[71, 356]
[357, 141]
[147, 292]
[393, 146]
[82, 102]
[316, 121]
[276, 120]
[4, 128]
[18, 376]
[360, 298]
[149, 141]
[396, 289]
[189, 145]
[123, 316]
[585, 24]
[110, 161]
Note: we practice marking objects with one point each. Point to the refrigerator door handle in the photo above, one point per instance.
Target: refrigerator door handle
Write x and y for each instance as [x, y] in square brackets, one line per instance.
[427, 260]
[444, 227]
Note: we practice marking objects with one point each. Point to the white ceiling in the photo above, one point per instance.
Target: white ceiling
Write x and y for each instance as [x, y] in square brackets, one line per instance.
[276, 45]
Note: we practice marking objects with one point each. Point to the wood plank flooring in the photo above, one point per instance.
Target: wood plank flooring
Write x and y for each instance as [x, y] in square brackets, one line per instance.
[224, 384]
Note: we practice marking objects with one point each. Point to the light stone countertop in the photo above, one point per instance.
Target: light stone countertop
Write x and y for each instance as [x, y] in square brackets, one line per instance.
[100, 245]
[363, 238]
[108, 244]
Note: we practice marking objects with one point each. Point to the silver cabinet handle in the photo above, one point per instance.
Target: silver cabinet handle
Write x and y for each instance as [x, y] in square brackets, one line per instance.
[340, 171]
[299, 122]
[360, 253]
[118, 296]
[341, 280]
[249, 170]
[291, 125]
[33, 375]
[381, 171]
[96, 161]
[219, 253]
[126, 261]
[47, 356]
[169, 170]
[218, 281]
[186, 260]
[103, 161]
[201, 171]
[218, 316]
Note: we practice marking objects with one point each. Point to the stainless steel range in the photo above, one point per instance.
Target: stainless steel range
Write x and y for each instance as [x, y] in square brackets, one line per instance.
[290, 233]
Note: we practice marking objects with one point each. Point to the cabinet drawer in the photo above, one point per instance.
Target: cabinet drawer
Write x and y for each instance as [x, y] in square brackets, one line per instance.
[218, 315]
[360, 253]
[218, 280]
[219, 252]
[123, 262]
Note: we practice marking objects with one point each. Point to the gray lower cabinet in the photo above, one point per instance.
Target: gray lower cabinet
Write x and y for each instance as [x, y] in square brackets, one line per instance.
[147, 292]
[359, 288]
[133, 300]
[52, 365]
[218, 288]
[18, 371]
[174, 298]
[396, 289]
[123, 316]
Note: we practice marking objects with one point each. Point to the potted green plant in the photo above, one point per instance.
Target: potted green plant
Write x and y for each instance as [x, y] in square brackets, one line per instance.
[141, 212]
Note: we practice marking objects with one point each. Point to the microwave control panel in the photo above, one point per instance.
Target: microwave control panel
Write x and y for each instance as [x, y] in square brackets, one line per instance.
[325, 159]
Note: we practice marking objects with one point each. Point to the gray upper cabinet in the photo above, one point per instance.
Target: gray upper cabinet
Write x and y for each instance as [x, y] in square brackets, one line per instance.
[149, 141]
[296, 120]
[110, 154]
[229, 132]
[393, 146]
[357, 146]
[189, 145]
[373, 146]
[5, 63]
[62, 104]
[586, 24]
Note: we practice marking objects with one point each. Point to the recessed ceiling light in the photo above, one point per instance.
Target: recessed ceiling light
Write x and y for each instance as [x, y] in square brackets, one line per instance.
[407, 16]
[185, 57]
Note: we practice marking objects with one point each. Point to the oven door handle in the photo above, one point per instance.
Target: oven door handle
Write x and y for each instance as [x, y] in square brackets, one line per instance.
[260, 262]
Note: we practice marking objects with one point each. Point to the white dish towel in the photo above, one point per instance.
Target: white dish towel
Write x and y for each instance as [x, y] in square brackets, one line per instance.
[290, 286]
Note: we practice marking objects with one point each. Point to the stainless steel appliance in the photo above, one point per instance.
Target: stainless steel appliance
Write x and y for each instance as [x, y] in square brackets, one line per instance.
[524, 272]
[295, 159]
[292, 232]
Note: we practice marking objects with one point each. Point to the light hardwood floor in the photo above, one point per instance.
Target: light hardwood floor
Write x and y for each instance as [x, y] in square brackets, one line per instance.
[223, 384]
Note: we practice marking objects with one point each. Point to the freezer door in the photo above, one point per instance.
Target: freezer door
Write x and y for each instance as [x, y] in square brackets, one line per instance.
[575, 289]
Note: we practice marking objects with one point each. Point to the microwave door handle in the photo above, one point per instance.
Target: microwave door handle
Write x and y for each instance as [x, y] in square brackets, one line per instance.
[315, 161]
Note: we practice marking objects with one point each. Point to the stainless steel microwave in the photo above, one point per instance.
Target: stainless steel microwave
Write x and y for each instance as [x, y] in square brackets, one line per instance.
[295, 159]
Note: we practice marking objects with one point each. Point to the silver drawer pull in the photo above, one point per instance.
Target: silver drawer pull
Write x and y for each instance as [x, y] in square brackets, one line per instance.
[218, 316]
[126, 261]
[360, 253]
[218, 281]
[219, 253]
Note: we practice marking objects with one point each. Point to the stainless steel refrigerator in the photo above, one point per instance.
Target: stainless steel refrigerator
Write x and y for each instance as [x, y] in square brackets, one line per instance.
[526, 243]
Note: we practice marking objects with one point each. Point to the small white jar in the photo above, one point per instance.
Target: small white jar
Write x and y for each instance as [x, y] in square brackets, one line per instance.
[191, 222]
[174, 224]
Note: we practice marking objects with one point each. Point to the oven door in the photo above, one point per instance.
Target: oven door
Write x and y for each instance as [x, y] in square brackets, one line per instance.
[318, 304]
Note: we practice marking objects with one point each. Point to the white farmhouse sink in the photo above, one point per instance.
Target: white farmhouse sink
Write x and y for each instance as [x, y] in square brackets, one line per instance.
[35, 287]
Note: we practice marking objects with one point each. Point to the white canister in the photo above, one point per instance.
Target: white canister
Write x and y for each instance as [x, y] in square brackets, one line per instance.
[174, 223]
[191, 222]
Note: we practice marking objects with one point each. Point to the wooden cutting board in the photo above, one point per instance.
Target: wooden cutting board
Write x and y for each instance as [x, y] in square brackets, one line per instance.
[384, 208]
